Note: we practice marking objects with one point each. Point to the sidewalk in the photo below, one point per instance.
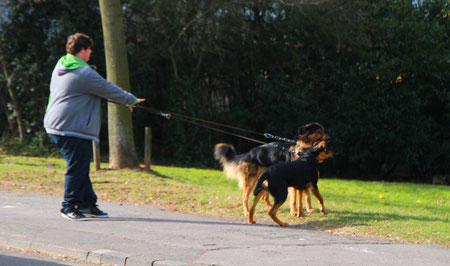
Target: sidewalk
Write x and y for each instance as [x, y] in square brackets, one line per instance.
[148, 235]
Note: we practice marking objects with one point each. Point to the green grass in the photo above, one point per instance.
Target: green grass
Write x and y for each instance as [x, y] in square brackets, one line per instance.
[405, 212]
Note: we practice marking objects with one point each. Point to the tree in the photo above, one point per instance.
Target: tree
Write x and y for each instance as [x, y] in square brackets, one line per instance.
[122, 152]
[14, 99]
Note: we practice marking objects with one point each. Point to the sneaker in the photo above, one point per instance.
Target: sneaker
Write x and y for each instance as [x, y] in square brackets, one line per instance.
[94, 212]
[72, 214]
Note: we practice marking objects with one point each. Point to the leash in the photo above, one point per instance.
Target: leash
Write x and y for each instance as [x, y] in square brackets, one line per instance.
[194, 121]
[269, 136]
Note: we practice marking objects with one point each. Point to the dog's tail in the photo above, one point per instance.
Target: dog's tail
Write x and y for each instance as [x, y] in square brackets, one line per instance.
[259, 185]
[226, 155]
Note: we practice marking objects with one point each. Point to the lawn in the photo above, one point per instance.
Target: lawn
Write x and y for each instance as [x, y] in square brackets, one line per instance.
[405, 212]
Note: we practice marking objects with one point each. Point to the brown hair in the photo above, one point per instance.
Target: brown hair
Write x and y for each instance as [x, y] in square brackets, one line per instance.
[78, 41]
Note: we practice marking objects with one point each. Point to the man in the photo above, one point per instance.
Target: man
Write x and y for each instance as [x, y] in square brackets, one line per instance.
[73, 120]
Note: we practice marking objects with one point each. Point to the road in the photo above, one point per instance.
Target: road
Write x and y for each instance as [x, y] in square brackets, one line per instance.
[150, 235]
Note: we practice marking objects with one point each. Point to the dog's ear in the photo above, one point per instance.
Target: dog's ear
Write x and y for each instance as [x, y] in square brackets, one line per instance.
[310, 128]
[303, 129]
[317, 125]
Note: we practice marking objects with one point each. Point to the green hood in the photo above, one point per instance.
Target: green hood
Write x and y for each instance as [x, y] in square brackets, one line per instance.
[70, 61]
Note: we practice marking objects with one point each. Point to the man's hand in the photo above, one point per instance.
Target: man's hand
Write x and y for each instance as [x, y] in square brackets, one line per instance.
[138, 101]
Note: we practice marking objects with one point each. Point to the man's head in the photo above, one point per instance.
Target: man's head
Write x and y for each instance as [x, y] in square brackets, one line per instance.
[80, 45]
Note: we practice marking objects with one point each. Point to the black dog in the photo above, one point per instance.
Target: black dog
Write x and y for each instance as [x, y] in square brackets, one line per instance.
[301, 174]
[247, 167]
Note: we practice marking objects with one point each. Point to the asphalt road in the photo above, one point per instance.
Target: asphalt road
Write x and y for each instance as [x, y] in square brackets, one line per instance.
[149, 235]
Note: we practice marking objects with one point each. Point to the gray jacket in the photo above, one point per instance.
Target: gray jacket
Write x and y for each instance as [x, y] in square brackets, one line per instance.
[74, 107]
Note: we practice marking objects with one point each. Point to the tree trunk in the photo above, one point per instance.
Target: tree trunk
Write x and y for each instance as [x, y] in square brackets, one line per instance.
[13, 95]
[5, 109]
[122, 152]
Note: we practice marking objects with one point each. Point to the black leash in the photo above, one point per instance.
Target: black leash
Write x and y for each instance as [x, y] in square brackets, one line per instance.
[192, 120]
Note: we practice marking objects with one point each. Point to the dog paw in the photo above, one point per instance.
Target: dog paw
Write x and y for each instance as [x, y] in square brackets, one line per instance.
[284, 224]
[310, 210]
[323, 212]
[251, 222]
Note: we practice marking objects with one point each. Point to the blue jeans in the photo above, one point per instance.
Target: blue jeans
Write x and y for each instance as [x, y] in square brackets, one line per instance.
[78, 190]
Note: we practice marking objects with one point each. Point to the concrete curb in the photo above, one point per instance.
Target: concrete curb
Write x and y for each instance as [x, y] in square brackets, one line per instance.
[101, 256]
[58, 250]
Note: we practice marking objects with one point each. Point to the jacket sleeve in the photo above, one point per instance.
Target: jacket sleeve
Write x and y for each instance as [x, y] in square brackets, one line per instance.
[97, 85]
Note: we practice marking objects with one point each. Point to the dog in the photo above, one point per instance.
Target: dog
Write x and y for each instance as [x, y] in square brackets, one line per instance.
[301, 174]
[248, 166]
[316, 132]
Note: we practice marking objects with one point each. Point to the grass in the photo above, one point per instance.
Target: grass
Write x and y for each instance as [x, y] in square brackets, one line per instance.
[415, 213]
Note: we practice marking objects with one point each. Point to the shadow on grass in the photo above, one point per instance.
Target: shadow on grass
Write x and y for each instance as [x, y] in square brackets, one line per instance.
[25, 164]
[349, 218]
[106, 182]
[158, 174]
[140, 169]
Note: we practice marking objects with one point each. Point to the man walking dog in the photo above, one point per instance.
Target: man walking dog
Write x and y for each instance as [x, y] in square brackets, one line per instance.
[73, 120]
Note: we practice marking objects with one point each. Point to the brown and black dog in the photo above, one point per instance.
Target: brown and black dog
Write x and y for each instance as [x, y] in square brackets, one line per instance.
[309, 135]
[248, 166]
[301, 174]
[306, 141]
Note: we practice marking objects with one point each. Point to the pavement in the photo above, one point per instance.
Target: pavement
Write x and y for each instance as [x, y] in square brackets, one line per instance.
[150, 235]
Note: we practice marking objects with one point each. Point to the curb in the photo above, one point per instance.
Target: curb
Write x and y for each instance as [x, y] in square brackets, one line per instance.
[101, 256]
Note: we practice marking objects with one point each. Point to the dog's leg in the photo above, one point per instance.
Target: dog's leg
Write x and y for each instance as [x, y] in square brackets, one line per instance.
[245, 193]
[298, 194]
[252, 209]
[316, 193]
[254, 179]
[245, 185]
[292, 200]
[307, 195]
[273, 214]
[265, 198]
